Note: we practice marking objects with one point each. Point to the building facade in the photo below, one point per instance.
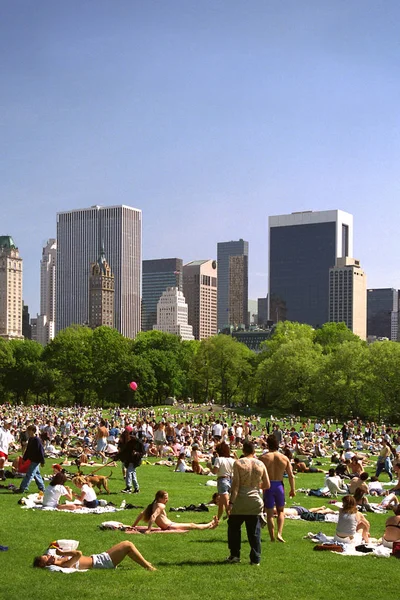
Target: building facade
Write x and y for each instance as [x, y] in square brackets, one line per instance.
[382, 313]
[10, 290]
[262, 311]
[348, 295]
[101, 293]
[233, 283]
[26, 323]
[80, 234]
[172, 314]
[302, 248]
[158, 275]
[45, 324]
[200, 291]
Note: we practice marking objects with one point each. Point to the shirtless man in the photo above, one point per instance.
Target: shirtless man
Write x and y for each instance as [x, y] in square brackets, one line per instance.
[301, 467]
[155, 513]
[277, 464]
[105, 560]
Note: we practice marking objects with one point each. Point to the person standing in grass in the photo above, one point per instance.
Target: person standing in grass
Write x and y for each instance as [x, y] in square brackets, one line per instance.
[223, 468]
[277, 465]
[246, 505]
[35, 453]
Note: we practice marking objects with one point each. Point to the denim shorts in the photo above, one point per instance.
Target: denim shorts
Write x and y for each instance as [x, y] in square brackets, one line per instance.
[224, 485]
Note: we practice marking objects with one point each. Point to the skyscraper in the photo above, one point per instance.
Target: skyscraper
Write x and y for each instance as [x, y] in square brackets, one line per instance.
[101, 293]
[302, 248]
[45, 323]
[200, 291]
[10, 290]
[348, 295]
[172, 314]
[158, 275]
[382, 313]
[233, 275]
[262, 311]
[80, 234]
[26, 323]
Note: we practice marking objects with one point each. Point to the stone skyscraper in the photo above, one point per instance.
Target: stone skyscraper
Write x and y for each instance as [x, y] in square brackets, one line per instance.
[348, 295]
[45, 321]
[172, 314]
[200, 291]
[80, 234]
[101, 293]
[10, 290]
[233, 283]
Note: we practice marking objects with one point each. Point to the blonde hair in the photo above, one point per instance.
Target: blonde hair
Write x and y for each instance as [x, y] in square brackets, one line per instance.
[80, 480]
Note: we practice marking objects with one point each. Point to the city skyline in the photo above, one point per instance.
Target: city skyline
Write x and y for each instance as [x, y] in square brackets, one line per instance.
[207, 116]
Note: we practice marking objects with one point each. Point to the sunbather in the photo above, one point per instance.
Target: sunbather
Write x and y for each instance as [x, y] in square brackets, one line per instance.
[155, 513]
[106, 560]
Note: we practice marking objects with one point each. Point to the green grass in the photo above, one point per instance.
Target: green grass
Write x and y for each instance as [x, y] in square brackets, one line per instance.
[190, 565]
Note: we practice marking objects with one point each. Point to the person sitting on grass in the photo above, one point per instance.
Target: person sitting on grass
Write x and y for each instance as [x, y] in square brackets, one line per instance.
[88, 495]
[392, 529]
[155, 513]
[106, 560]
[55, 490]
[351, 522]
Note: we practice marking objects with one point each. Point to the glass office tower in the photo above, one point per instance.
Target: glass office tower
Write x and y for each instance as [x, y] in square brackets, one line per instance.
[302, 248]
[158, 275]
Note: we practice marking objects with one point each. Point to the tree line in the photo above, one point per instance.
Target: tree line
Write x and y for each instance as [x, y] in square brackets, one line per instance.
[323, 372]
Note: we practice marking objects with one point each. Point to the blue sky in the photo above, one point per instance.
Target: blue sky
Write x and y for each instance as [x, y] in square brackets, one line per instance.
[209, 115]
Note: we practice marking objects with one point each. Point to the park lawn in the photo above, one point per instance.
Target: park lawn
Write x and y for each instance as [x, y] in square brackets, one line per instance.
[190, 565]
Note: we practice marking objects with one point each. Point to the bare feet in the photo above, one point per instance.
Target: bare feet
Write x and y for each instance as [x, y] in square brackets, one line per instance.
[280, 538]
[214, 523]
[150, 568]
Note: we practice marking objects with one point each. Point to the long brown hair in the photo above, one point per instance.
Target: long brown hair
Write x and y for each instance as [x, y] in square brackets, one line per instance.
[349, 504]
[148, 511]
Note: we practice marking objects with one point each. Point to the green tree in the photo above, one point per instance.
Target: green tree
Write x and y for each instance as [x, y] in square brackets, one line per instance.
[70, 353]
[331, 335]
[227, 370]
[345, 381]
[287, 378]
[285, 333]
[21, 375]
[385, 385]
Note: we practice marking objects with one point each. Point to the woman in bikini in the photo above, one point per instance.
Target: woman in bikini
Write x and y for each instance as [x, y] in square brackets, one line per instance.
[155, 513]
[392, 529]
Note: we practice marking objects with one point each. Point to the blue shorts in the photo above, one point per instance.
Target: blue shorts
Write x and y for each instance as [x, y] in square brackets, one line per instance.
[275, 496]
[224, 485]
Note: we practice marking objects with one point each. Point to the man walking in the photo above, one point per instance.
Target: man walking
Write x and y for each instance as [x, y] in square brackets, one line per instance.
[35, 453]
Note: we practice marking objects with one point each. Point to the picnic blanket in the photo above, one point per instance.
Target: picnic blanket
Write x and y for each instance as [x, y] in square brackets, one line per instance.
[349, 549]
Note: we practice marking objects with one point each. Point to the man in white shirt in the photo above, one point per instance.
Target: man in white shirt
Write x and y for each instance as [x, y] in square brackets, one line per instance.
[6, 438]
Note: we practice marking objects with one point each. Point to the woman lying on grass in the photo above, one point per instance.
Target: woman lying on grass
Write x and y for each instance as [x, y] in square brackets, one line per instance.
[155, 513]
[106, 560]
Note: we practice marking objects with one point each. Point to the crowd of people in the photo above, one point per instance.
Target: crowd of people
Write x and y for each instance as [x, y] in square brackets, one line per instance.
[250, 458]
